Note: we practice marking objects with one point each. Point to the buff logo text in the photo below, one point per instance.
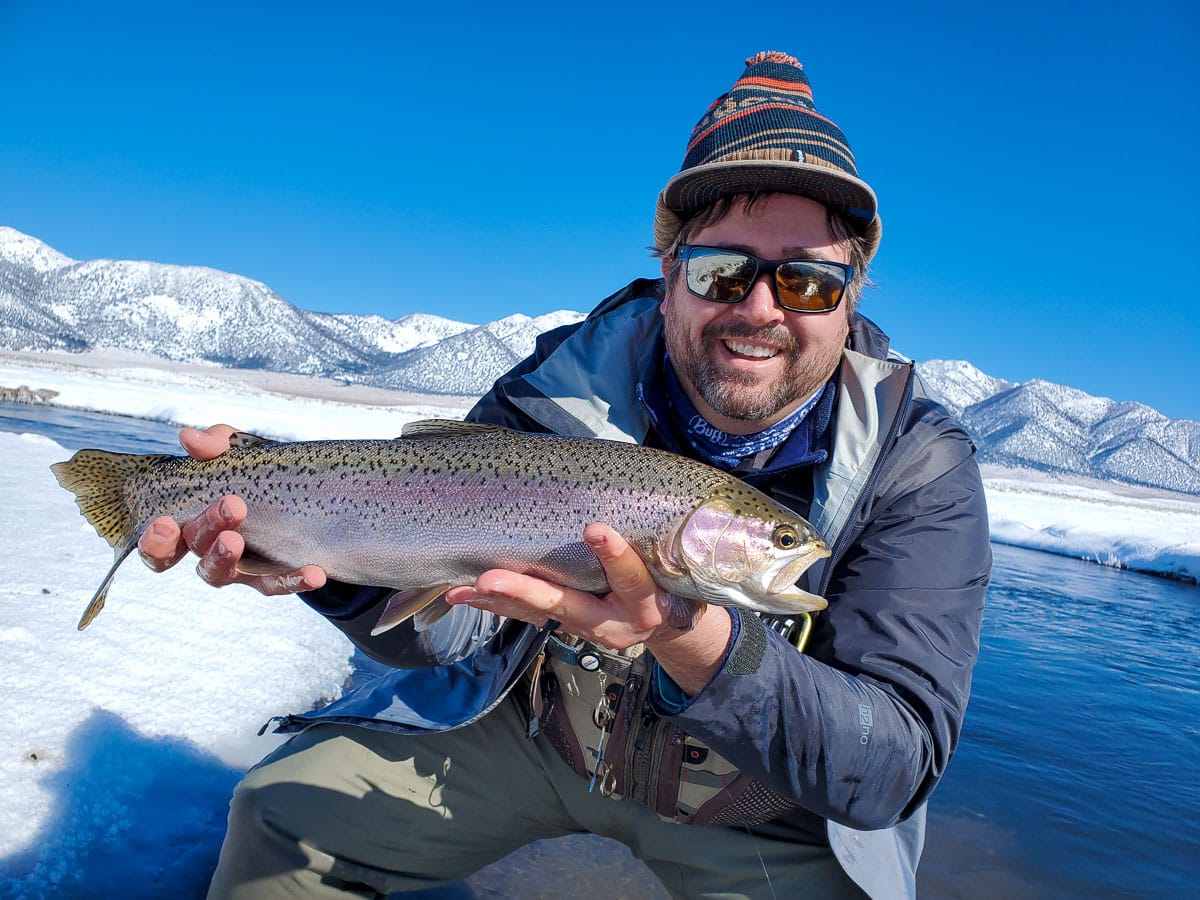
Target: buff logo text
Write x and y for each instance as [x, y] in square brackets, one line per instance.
[698, 425]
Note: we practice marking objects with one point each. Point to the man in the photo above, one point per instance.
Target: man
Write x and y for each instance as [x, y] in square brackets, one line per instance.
[733, 763]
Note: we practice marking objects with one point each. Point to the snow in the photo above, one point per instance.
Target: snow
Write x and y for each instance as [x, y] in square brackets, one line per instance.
[28, 251]
[119, 745]
[1145, 530]
[409, 332]
[264, 403]
[958, 383]
[173, 678]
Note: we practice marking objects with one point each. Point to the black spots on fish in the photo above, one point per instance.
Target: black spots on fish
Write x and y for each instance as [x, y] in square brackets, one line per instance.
[370, 464]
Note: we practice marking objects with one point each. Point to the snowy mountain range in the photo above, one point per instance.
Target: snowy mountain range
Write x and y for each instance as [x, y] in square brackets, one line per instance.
[194, 314]
[184, 313]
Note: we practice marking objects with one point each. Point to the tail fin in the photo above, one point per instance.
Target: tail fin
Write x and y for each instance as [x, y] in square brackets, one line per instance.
[97, 479]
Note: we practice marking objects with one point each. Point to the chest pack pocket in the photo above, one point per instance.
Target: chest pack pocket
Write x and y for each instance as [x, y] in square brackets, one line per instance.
[592, 704]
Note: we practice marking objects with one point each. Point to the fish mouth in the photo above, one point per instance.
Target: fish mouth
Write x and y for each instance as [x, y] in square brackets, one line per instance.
[794, 601]
[773, 591]
[787, 573]
[782, 594]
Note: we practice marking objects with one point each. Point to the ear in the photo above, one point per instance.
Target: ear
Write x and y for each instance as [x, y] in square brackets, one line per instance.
[665, 265]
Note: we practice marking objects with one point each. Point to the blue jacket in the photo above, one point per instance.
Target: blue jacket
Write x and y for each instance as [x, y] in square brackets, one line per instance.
[857, 730]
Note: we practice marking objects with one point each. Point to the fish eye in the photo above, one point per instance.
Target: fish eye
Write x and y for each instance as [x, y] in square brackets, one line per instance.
[785, 537]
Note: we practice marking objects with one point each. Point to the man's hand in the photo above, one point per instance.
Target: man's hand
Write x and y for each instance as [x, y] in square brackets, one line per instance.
[213, 535]
[634, 612]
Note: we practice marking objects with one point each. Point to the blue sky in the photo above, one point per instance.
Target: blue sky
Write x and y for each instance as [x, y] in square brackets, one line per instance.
[1031, 159]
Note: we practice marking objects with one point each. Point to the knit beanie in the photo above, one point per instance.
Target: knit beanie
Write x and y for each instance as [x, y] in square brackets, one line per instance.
[765, 135]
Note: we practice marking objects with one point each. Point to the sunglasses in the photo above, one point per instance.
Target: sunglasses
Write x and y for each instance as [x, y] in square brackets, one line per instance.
[801, 285]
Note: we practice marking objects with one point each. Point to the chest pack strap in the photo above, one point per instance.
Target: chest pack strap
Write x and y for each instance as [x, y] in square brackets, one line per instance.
[574, 652]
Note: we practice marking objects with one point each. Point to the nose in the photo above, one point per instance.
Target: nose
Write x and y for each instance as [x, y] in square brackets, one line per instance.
[758, 306]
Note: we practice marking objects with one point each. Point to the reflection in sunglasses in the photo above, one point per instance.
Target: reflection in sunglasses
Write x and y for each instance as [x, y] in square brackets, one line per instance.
[800, 285]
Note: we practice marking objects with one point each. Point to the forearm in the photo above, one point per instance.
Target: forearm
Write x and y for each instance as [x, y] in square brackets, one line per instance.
[692, 657]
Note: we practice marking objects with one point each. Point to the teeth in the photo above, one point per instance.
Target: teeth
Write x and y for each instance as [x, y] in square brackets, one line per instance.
[751, 350]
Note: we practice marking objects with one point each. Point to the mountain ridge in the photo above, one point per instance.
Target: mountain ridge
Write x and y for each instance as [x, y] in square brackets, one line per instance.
[49, 302]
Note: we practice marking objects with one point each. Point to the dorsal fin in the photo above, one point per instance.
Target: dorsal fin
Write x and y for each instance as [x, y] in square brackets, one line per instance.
[432, 429]
[240, 440]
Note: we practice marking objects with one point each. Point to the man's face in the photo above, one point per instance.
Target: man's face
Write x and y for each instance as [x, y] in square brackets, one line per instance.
[748, 365]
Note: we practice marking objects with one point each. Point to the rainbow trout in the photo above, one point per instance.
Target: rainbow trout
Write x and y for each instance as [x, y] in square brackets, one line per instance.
[450, 500]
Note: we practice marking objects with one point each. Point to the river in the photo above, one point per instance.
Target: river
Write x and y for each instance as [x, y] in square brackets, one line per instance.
[1078, 773]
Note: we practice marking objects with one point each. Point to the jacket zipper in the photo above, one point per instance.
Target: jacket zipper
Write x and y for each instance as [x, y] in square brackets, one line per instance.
[852, 529]
[635, 768]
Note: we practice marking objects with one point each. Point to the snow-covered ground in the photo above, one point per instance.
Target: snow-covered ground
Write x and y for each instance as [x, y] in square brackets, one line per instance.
[289, 407]
[173, 676]
[1135, 528]
[177, 678]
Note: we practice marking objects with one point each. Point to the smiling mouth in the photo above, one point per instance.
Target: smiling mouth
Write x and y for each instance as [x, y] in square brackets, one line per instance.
[751, 350]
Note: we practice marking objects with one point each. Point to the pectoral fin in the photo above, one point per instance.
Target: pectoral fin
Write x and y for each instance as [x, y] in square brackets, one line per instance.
[97, 602]
[252, 563]
[431, 615]
[681, 613]
[403, 605]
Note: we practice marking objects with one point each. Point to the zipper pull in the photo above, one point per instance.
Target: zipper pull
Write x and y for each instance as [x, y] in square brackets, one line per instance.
[649, 720]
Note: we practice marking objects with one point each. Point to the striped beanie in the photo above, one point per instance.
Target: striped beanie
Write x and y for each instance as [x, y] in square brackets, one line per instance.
[766, 135]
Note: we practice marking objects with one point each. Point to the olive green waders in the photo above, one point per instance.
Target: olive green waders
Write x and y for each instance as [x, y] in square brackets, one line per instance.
[343, 811]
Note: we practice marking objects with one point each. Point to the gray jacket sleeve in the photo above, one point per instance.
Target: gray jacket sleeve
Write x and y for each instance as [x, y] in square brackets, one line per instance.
[859, 728]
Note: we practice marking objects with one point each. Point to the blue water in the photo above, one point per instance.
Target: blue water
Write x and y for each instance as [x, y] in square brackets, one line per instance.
[75, 429]
[1078, 773]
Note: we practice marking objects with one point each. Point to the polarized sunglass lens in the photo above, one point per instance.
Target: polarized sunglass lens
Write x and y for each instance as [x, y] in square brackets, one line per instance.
[809, 287]
[722, 277]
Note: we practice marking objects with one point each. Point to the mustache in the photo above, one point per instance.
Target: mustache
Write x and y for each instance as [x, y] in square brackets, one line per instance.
[777, 336]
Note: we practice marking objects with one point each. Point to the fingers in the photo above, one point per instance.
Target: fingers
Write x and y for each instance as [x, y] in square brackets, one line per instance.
[225, 515]
[206, 444]
[624, 617]
[219, 567]
[218, 564]
[161, 546]
[627, 574]
[164, 543]
[517, 596]
[213, 537]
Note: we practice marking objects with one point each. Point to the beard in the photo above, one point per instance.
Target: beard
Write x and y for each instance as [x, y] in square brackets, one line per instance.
[743, 395]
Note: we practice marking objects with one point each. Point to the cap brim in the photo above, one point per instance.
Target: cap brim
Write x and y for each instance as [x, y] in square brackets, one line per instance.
[697, 187]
